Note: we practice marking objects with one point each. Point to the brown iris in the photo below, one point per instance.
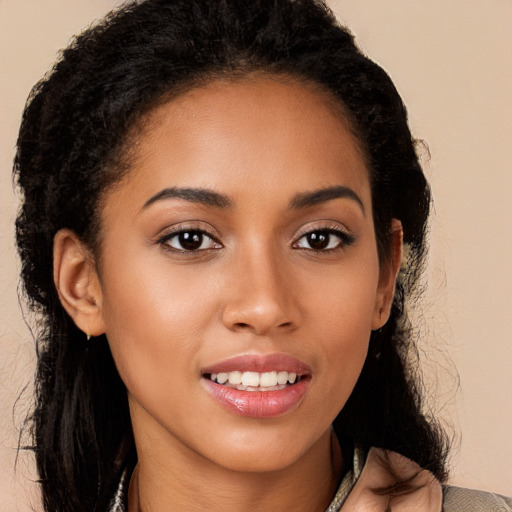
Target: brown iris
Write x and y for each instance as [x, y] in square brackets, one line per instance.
[190, 240]
[318, 240]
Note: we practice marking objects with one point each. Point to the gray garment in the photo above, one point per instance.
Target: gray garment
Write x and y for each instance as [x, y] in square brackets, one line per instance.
[119, 502]
[458, 499]
[455, 499]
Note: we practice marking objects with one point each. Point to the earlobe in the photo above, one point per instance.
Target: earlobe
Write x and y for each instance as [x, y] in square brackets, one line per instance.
[387, 278]
[77, 282]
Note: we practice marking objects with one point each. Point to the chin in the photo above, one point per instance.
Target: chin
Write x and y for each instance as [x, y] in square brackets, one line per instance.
[258, 462]
[265, 453]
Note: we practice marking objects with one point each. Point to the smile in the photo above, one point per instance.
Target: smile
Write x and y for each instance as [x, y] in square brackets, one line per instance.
[255, 381]
[258, 386]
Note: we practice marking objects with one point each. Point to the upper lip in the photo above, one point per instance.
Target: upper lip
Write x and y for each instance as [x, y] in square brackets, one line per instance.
[259, 363]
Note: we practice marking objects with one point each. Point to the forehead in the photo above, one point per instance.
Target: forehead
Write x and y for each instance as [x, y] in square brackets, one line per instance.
[264, 134]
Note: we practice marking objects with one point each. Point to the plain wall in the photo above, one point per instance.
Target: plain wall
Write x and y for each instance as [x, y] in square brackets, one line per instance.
[450, 59]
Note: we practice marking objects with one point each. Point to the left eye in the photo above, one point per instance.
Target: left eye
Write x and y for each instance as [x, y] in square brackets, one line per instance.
[321, 240]
[191, 240]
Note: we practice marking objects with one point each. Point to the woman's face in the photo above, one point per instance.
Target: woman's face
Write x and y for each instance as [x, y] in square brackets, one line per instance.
[241, 247]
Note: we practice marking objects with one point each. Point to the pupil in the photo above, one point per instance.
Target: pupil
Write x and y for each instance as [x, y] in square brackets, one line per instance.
[318, 240]
[190, 240]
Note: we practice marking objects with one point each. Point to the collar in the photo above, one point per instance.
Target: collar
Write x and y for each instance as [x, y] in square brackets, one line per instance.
[387, 481]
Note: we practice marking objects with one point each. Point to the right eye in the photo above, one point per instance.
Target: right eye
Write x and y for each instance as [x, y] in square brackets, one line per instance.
[189, 240]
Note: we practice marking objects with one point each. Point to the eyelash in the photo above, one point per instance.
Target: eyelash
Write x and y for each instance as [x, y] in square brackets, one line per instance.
[345, 239]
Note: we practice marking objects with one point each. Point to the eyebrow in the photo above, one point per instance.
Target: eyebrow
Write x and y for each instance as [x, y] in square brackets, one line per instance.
[210, 198]
[194, 195]
[308, 199]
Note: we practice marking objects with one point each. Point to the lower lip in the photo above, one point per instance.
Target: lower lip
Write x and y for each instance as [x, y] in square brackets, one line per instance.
[258, 404]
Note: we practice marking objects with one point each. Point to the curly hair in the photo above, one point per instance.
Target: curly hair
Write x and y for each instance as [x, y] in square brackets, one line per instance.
[74, 144]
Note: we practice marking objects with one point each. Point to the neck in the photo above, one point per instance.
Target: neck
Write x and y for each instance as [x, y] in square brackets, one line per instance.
[185, 481]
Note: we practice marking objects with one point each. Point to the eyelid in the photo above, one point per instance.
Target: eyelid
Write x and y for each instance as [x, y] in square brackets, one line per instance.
[327, 225]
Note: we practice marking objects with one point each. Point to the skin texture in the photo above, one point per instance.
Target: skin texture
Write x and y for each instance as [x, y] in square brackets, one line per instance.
[255, 287]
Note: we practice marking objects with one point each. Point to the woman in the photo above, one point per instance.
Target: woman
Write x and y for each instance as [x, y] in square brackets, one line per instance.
[217, 195]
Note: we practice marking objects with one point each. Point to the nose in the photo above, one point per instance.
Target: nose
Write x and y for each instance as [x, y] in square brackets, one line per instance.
[260, 296]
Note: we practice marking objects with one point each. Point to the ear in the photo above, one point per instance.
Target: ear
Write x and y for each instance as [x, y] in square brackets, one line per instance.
[77, 282]
[387, 277]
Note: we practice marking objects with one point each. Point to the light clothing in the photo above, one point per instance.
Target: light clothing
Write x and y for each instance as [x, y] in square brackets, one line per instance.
[373, 485]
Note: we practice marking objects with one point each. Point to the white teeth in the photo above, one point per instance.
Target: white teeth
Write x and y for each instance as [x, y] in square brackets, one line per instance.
[268, 379]
[282, 377]
[222, 378]
[235, 378]
[252, 380]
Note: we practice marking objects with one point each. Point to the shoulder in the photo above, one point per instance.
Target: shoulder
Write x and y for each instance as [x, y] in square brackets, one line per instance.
[458, 499]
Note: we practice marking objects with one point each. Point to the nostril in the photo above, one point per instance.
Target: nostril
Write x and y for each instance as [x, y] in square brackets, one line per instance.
[243, 326]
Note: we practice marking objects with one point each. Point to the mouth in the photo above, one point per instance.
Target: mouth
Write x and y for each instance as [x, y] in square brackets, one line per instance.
[256, 381]
[258, 386]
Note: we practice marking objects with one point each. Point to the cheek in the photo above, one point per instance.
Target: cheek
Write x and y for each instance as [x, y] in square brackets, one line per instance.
[147, 295]
[155, 320]
[343, 308]
[343, 299]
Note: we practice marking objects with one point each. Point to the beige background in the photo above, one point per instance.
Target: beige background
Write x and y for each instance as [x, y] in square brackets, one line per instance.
[451, 60]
